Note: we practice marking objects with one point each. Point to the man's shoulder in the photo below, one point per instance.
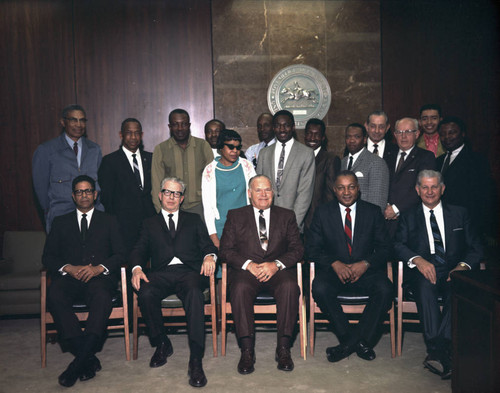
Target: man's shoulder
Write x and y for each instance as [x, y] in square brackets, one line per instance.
[423, 153]
[90, 144]
[302, 149]
[53, 143]
[113, 156]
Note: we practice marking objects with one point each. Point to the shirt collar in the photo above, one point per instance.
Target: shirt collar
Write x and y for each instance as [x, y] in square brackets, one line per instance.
[71, 142]
[128, 153]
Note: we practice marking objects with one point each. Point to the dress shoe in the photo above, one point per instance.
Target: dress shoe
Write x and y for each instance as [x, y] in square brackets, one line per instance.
[91, 367]
[69, 376]
[284, 359]
[364, 351]
[437, 366]
[163, 351]
[247, 361]
[196, 374]
[341, 351]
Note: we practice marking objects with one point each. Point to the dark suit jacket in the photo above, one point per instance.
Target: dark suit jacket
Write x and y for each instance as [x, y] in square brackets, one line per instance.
[190, 245]
[390, 150]
[468, 173]
[461, 242]
[327, 243]
[240, 238]
[327, 167]
[103, 244]
[121, 195]
[402, 184]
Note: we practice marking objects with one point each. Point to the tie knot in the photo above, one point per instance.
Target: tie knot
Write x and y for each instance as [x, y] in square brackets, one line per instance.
[431, 211]
[84, 215]
[375, 145]
[133, 155]
[170, 215]
[403, 154]
[348, 209]
[283, 144]
[261, 211]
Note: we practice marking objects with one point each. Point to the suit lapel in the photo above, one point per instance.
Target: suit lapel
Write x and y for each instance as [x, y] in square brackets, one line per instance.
[448, 228]
[409, 159]
[146, 165]
[422, 226]
[337, 223]
[290, 161]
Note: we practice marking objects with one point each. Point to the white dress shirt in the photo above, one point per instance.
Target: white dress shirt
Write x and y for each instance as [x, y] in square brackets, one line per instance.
[380, 147]
[277, 154]
[343, 213]
[79, 143]
[128, 153]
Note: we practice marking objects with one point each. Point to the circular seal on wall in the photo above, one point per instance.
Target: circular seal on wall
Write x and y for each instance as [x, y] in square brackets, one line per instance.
[302, 90]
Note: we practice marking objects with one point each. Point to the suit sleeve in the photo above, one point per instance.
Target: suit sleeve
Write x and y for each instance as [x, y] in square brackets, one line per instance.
[157, 174]
[41, 176]
[230, 242]
[51, 257]
[107, 181]
[306, 188]
[401, 241]
[379, 183]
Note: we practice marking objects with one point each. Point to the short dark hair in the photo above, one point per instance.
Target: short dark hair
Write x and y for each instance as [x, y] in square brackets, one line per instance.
[226, 136]
[357, 125]
[284, 112]
[431, 107]
[454, 119]
[80, 179]
[214, 121]
[318, 122]
[70, 108]
[130, 120]
[378, 113]
[178, 111]
[346, 173]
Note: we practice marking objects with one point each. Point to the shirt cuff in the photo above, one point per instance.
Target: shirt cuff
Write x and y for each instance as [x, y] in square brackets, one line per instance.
[63, 273]
[135, 267]
[212, 255]
[280, 265]
[410, 263]
[106, 270]
[465, 263]
[245, 265]
[396, 210]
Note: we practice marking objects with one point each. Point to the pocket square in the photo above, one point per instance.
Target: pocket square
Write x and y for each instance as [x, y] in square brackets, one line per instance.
[359, 174]
[411, 170]
[457, 229]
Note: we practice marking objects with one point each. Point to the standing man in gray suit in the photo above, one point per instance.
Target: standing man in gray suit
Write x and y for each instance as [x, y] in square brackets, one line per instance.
[370, 169]
[290, 166]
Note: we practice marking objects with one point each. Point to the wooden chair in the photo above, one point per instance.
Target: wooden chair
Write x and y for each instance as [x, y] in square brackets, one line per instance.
[351, 304]
[172, 307]
[119, 313]
[263, 305]
[408, 306]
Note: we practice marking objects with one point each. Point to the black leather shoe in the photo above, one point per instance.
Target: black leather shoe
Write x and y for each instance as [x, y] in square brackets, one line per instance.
[364, 351]
[163, 351]
[196, 374]
[335, 354]
[434, 365]
[247, 361]
[69, 376]
[91, 367]
[284, 359]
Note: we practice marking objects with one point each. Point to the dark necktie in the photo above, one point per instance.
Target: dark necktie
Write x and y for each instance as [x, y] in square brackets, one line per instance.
[281, 164]
[375, 149]
[171, 225]
[83, 226]
[348, 229]
[349, 166]
[136, 171]
[75, 148]
[439, 254]
[401, 161]
[446, 163]
[262, 231]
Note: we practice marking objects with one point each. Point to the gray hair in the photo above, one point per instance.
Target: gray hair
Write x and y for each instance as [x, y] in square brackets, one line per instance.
[414, 121]
[250, 181]
[175, 180]
[430, 173]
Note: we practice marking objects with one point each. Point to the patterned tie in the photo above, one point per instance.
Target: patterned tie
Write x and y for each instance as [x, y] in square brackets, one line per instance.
[401, 161]
[348, 229]
[75, 148]
[439, 255]
[281, 163]
[349, 166]
[375, 149]
[83, 226]
[171, 225]
[136, 171]
[446, 163]
[262, 231]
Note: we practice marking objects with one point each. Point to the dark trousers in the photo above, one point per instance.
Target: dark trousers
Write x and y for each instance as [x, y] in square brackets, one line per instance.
[65, 291]
[188, 285]
[326, 288]
[244, 288]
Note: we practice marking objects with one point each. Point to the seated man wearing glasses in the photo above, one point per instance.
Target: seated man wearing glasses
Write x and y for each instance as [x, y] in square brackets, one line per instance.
[58, 161]
[83, 254]
[404, 166]
[182, 257]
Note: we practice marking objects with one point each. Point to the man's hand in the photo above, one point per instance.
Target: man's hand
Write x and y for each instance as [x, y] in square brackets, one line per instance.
[87, 272]
[456, 268]
[208, 266]
[262, 271]
[426, 268]
[343, 271]
[389, 213]
[215, 240]
[72, 270]
[137, 276]
[357, 270]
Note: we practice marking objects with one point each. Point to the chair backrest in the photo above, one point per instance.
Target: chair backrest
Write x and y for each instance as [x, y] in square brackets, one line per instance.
[23, 250]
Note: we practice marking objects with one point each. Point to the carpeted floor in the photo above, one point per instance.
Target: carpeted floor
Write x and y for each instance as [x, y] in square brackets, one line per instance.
[20, 369]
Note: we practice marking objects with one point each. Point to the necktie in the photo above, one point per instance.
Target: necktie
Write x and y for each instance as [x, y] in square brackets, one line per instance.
[136, 171]
[349, 166]
[281, 163]
[83, 226]
[262, 231]
[375, 149]
[348, 229]
[171, 225]
[401, 161]
[439, 254]
[75, 148]
[446, 163]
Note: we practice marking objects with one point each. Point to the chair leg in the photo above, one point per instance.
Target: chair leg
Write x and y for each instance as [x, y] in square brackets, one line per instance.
[126, 327]
[213, 303]
[223, 327]
[43, 321]
[393, 331]
[400, 307]
[135, 317]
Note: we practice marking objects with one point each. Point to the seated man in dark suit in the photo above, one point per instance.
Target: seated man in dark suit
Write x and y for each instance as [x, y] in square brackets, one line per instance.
[261, 244]
[83, 254]
[435, 239]
[348, 242]
[182, 257]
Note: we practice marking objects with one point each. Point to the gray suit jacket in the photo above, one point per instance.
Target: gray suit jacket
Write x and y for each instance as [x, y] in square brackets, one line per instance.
[373, 177]
[297, 184]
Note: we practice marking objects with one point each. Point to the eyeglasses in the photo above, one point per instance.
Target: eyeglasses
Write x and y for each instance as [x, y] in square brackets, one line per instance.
[88, 191]
[232, 147]
[405, 132]
[74, 120]
[176, 194]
